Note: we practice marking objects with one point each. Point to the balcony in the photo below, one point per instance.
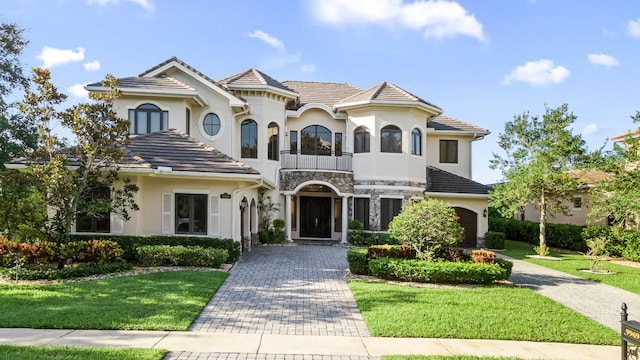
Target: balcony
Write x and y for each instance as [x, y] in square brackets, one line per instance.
[340, 161]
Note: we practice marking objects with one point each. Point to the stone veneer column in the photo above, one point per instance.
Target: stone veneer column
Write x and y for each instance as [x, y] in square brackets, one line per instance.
[287, 216]
[345, 220]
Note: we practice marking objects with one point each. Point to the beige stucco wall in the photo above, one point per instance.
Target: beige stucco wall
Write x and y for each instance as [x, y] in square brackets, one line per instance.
[463, 167]
[576, 216]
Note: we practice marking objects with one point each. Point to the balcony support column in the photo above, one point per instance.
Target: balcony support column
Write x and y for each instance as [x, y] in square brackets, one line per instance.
[345, 220]
[287, 216]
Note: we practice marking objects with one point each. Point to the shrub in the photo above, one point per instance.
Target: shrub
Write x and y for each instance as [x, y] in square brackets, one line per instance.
[165, 255]
[391, 251]
[64, 273]
[494, 239]
[436, 272]
[427, 226]
[130, 243]
[483, 257]
[505, 264]
[358, 263]
[564, 236]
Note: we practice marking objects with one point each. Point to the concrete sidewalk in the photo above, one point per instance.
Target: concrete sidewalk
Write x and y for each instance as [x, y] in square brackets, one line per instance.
[202, 345]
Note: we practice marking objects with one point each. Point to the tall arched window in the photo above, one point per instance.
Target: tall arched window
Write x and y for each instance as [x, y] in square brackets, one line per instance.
[249, 139]
[416, 142]
[147, 118]
[391, 139]
[315, 140]
[361, 140]
[274, 147]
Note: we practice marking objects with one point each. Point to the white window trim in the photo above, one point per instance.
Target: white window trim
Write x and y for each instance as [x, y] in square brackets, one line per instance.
[200, 126]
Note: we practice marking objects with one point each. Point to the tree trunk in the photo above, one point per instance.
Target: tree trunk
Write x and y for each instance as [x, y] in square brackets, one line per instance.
[543, 222]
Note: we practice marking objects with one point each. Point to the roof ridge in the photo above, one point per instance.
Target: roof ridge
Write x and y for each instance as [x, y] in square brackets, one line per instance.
[321, 82]
[458, 120]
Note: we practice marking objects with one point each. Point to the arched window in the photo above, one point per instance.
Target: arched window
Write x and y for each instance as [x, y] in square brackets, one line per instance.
[147, 118]
[391, 139]
[211, 124]
[274, 145]
[361, 139]
[249, 139]
[315, 140]
[416, 142]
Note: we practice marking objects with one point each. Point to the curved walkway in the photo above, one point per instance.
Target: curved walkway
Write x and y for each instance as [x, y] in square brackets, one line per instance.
[288, 290]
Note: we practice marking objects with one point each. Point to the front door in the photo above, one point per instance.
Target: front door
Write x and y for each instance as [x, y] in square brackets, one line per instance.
[315, 217]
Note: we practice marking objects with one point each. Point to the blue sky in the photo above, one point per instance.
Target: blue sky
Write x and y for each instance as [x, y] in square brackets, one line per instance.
[481, 61]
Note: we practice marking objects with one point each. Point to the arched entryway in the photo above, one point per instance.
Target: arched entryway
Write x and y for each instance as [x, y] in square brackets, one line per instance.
[469, 221]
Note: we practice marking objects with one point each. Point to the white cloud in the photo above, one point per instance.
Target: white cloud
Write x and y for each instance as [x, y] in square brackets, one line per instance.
[590, 129]
[79, 91]
[633, 28]
[92, 66]
[272, 41]
[537, 73]
[602, 59]
[435, 18]
[308, 68]
[52, 57]
[145, 4]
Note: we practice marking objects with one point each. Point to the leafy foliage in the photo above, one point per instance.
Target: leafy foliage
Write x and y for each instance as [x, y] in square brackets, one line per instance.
[99, 135]
[540, 153]
[23, 216]
[436, 272]
[64, 273]
[165, 255]
[358, 261]
[391, 251]
[564, 236]
[427, 226]
[494, 239]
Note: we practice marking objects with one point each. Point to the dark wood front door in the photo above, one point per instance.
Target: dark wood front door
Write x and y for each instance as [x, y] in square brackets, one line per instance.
[469, 221]
[315, 217]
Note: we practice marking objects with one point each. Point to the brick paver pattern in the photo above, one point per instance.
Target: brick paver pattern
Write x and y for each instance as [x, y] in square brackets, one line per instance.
[234, 356]
[289, 290]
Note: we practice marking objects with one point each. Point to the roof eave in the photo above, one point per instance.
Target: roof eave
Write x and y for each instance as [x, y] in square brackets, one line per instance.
[457, 195]
[156, 92]
[289, 94]
[363, 103]
[475, 134]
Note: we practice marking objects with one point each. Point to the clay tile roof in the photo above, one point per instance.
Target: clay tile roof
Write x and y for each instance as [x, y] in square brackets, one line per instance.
[445, 123]
[155, 83]
[253, 77]
[386, 91]
[327, 93]
[440, 181]
[174, 149]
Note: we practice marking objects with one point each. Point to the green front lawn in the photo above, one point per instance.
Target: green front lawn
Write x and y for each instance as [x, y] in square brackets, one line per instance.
[504, 313]
[626, 277]
[10, 352]
[156, 301]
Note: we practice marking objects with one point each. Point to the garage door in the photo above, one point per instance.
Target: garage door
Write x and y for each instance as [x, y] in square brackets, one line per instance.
[469, 221]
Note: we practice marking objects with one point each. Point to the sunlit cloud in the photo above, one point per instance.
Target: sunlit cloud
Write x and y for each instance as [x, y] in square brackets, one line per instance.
[538, 73]
[53, 57]
[79, 91]
[272, 41]
[92, 66]
[602, 59]
[145, 4]
[633, 28]
[434, 18]
[590, 129]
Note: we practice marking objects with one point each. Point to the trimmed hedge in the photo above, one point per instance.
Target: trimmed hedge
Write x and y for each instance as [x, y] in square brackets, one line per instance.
[494, 239]
[130, 243]
[436, 272]
[358, 262]
[564, 236]
[64, 273]
[165, 255]
[505, 264]
[391, 251]
[366, 238]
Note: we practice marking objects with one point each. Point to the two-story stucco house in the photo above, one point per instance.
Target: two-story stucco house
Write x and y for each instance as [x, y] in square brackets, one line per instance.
[201, 150]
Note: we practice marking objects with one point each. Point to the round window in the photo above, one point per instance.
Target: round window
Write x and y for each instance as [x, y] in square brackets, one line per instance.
[211, 124]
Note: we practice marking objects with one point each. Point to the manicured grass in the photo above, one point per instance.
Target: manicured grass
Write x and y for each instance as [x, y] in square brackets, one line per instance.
[504, 313]
[626, 277]
[449, 357]
[156, 301]
[10, 352]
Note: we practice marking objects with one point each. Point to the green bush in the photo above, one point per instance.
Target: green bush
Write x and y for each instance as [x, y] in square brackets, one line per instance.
[165, 255]
[130, 243]
[391, 251]
[564, 236]
[64, 273]
[494, 239]
[427, 226]
[357, 260]
[505, 264]
[368, 238]
[436, 272]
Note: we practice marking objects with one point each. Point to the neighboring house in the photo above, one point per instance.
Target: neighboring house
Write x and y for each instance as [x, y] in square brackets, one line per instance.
[201, 150]
[578, 206]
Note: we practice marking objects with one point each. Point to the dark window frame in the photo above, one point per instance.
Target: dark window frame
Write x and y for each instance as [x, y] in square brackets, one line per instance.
[389, 208]
[315, 134]
[388, 136]
[448, 151]
[99, 222]
[361, 210]
[416, 142]
[273, 142]
[361, 140]
[249, 133]
[293, 141]
[191, 219]
[147, 109]
[210, 126]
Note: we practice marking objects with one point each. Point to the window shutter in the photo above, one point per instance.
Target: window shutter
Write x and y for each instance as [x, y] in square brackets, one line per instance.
[167, 213]
[117, 224]
[214, 215]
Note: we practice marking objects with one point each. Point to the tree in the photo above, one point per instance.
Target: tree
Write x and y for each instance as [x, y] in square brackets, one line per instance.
[540, 155]
[429, 226]
[618, 195]
[16, 133]
[69, 173]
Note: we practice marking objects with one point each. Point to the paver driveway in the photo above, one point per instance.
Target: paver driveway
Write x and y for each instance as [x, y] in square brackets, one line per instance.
[293, 290]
